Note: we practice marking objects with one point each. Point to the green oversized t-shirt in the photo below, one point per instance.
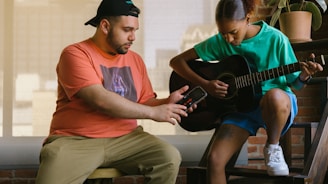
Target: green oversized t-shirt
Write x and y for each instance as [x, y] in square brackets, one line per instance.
[268, 49]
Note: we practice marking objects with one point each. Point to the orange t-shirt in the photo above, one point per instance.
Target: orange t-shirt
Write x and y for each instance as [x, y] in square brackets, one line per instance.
[84, 64]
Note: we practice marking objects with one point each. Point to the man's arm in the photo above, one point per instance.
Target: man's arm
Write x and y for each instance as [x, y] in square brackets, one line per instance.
[115, 105]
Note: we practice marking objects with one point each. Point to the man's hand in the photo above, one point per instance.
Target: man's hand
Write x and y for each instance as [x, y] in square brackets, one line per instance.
[178, 95]
[170, 113]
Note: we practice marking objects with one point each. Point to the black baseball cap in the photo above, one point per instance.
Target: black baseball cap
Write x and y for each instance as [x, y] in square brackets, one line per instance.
[114, 8]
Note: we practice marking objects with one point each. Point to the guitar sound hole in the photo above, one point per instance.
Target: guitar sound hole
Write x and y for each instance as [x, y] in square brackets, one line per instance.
[230, 80]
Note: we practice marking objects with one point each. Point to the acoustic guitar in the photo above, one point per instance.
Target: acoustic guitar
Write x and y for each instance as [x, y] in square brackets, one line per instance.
[244, 90]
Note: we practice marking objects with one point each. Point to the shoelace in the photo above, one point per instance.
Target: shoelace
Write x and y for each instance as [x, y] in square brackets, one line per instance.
[274, 155]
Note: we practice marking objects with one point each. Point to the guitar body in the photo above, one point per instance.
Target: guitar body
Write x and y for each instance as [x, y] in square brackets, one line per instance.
[206, 116]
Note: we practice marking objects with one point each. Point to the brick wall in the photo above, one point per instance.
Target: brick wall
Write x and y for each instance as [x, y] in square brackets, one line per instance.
[18, 176]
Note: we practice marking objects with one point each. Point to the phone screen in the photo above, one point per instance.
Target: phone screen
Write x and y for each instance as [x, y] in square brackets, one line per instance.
[193, 96]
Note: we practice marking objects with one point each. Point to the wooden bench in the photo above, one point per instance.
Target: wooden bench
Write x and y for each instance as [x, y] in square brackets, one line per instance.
[103, 176]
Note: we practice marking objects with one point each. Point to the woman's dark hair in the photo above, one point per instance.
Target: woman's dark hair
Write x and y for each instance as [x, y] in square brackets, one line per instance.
[233, 9]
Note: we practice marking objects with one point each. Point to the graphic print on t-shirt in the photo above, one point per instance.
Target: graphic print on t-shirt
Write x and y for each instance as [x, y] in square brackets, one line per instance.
[120, 81]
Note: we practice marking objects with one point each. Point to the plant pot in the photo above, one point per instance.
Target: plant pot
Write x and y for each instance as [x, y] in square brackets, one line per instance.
[296, 25]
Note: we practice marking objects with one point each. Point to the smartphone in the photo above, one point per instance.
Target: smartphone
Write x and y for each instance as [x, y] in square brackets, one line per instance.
[194, 96]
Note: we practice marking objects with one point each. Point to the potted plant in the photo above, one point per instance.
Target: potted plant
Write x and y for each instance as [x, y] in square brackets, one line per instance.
[292, 15]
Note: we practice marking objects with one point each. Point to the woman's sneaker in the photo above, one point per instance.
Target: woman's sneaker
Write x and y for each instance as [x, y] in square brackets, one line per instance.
[274, 160]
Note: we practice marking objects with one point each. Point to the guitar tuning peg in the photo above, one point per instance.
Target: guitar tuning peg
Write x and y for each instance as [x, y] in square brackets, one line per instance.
[323, 59]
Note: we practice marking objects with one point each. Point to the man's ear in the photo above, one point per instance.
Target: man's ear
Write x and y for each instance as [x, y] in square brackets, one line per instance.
[104, 26]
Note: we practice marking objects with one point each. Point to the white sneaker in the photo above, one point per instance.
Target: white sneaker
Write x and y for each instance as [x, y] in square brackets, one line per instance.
[275, 162]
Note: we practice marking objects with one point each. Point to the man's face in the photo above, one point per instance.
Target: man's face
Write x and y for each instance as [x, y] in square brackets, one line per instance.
[122, 33]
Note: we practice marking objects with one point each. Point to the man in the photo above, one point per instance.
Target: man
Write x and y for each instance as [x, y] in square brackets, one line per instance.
[103, 88]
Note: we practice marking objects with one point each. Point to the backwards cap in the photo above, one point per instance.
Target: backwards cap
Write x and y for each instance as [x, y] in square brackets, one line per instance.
[114, 8]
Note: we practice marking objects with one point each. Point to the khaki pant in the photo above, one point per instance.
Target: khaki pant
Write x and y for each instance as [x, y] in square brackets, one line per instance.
[70, 160]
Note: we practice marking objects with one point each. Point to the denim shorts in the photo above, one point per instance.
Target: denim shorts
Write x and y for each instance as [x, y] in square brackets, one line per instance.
[252, 121]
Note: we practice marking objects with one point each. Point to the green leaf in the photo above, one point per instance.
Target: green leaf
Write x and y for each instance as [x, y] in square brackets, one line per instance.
[275, 16]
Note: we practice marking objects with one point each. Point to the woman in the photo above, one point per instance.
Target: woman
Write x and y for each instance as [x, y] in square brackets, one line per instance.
[268, 48]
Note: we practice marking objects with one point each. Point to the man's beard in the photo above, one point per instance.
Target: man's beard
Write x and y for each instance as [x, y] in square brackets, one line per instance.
[118, 48]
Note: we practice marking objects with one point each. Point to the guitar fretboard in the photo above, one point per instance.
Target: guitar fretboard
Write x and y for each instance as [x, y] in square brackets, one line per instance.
[257, 77]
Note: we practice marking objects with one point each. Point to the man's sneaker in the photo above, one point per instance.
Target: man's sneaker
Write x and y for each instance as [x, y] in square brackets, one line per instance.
[274, 160]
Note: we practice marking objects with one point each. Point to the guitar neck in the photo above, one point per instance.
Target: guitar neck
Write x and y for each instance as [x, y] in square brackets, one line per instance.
[257, 77]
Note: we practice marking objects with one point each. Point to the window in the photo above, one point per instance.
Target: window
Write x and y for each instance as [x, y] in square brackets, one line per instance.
[36, 31]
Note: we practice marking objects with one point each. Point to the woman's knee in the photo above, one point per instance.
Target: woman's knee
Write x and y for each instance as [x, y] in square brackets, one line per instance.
[275, 100]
